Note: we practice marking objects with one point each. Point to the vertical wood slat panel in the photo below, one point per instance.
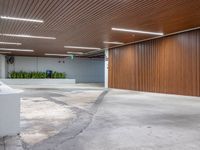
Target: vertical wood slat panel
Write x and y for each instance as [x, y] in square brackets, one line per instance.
[166, 65]
[198, 62]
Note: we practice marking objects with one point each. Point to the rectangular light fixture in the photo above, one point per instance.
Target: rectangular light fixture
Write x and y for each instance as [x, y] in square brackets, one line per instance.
[62, 55]
[28, 36]
[136, 31]
[21, 19]
[10, 43]
[76, 53]
[20, 50]
[5, 52]
[78, 47]
[106, 42]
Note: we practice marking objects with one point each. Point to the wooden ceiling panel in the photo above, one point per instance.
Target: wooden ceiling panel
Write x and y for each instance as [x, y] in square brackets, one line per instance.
[89, 22]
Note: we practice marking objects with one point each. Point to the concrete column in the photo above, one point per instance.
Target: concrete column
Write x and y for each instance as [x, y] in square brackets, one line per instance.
[2, 66]
[106, 68]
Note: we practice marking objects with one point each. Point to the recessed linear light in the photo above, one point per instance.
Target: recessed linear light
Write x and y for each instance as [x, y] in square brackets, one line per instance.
[137, 31]
[106, 42]
[63, 55]
[20, 50]
[28, 36]
[77, 47]
[5, 52]
[75, 53]
[21, 19]
[10, 43]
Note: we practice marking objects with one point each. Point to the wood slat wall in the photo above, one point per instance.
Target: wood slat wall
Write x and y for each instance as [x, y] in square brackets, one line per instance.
[166, 65]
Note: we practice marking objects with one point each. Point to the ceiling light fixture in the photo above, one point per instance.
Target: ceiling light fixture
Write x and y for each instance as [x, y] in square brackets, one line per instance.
[137, 31]
[63, 55]
[78, 47]
[106, 42]
[21, 19]
[28, 36]
[5, 52]
[20, 50]
[10, 43]
[76, 53]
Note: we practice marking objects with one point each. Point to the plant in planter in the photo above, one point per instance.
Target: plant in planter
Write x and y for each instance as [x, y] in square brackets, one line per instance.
[12, 74]
[35, 75]
[64, 75]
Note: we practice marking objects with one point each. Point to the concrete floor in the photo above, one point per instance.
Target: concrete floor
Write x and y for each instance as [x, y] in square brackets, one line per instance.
[91, 118]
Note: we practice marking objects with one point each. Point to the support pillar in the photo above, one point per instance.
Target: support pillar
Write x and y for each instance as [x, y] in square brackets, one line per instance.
[106, 68]
[2, 66]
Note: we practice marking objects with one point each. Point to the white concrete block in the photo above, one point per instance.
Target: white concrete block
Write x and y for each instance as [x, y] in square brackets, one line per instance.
[9, 111]
[37, 81]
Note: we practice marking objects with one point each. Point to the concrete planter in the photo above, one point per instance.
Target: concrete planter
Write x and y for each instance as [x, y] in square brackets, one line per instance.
[37, 81]
[9, 111]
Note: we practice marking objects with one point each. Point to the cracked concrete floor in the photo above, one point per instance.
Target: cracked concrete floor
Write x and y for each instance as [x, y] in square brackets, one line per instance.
[48, 110]
[111, 120]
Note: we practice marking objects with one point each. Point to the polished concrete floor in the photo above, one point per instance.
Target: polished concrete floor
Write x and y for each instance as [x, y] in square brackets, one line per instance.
[88, 117]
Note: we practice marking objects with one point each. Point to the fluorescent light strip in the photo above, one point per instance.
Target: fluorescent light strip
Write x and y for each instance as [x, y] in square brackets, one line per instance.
[76, 53]
[28, 36]
[77, 47]
[10, 43]
[137, 31]
[5, 52]
[106, 42]
[63, 55]
[20, 50]
[21, 19]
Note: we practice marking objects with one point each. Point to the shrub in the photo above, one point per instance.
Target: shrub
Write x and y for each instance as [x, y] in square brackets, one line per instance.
[35, 75]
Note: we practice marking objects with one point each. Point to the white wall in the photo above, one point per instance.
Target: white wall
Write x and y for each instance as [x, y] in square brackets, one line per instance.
[82, 69]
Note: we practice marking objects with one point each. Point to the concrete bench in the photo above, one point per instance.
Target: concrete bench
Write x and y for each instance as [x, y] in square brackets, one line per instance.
[9, 110]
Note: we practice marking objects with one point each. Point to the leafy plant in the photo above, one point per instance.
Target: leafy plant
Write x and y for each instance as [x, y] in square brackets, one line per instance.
[35, 75]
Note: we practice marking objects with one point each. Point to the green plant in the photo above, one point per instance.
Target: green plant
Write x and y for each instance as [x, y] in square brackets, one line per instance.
[35, 75]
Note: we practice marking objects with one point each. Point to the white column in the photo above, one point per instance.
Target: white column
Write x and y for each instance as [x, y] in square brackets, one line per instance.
[106, 68]
[2, 66]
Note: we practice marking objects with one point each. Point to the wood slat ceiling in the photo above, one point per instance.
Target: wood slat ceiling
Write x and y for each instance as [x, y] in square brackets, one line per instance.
[89, 22]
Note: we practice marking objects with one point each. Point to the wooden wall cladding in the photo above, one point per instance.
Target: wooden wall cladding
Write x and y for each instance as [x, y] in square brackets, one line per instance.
[166, 65]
